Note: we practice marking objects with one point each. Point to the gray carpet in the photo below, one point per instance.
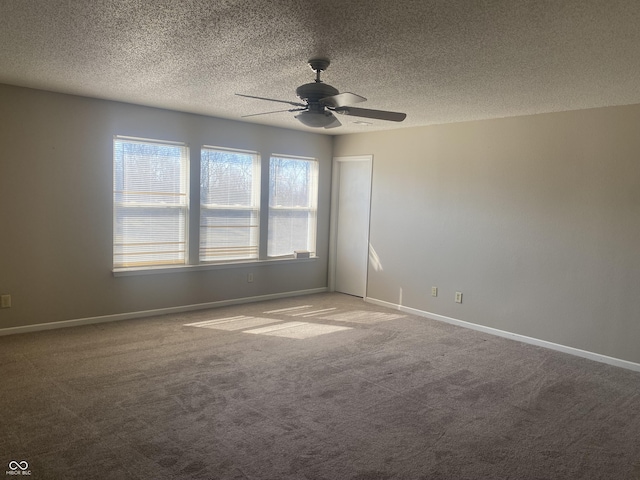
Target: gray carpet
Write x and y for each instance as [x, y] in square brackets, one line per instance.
[318, 387]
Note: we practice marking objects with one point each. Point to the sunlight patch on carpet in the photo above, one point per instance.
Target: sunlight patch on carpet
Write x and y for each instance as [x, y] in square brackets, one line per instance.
[363, 316]
[298, 330]
[301, 311]
[311, 313]
[290, 309]
[240, 322]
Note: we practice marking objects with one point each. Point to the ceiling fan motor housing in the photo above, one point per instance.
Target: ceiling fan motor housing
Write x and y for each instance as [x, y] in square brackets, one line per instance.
[313, 92]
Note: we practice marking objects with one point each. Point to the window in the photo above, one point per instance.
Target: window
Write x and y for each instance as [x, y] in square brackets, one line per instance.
[229, 204]
[293, 199]
[155, 226]
[150, 202]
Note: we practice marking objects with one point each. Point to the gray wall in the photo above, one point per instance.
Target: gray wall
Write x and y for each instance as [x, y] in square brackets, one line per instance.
[535, 219]
[56, 208]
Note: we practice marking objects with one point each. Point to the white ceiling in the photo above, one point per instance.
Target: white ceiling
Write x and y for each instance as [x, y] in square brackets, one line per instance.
[439, 61]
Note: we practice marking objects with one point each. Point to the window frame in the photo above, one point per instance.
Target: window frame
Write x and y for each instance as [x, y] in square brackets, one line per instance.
[311, 209]
[122, 205]
[254, 207]
[191, 164]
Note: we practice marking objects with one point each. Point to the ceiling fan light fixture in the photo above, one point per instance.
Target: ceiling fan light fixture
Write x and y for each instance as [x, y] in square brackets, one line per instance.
[316, 119]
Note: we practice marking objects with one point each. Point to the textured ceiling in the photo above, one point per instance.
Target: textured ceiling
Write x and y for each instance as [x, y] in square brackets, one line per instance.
[439, 61]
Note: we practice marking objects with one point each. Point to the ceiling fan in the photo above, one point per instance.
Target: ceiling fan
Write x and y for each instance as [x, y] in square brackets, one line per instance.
[321, 100]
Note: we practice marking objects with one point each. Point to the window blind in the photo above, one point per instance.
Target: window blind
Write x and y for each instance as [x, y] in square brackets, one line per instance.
[229, 204]
[293, 203]
[150, 202]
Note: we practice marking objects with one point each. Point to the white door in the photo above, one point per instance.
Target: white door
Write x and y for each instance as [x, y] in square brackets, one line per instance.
[352, 224]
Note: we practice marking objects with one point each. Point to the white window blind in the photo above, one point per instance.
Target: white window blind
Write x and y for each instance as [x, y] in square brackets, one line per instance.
[150, 202]
[293, 203]
[229, 204]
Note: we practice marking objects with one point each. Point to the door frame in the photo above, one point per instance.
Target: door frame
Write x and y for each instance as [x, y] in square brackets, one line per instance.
[333, 224]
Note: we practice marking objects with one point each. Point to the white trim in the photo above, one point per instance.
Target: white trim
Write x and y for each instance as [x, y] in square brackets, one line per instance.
[229, 150]
[292, 157]
[131, 271]
[149, 313]
[616, 362]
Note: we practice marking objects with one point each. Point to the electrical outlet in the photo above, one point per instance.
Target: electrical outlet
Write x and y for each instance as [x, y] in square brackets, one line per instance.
[434, 291]
[458, 297]
[250, 278]
[5, 301]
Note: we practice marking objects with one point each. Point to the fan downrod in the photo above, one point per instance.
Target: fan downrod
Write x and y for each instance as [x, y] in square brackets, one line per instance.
[319, 65]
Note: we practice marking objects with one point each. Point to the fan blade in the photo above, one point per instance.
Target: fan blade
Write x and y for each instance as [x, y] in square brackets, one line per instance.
[335, 123]
[274, 111]
[368, 113]
[342, 99]
[295, 104]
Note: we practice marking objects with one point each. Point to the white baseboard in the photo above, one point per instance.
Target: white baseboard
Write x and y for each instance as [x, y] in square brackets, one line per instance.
[149, 313]
[617, 362]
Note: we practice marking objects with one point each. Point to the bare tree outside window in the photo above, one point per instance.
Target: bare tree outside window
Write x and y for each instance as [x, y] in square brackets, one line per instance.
[293, 198]
[150, 203]
[229, 205]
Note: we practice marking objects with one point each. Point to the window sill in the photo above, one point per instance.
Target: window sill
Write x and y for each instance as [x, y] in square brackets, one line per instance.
[128, 272]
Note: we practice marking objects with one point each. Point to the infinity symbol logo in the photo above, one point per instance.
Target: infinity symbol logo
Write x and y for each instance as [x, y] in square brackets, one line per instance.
[23, 465]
